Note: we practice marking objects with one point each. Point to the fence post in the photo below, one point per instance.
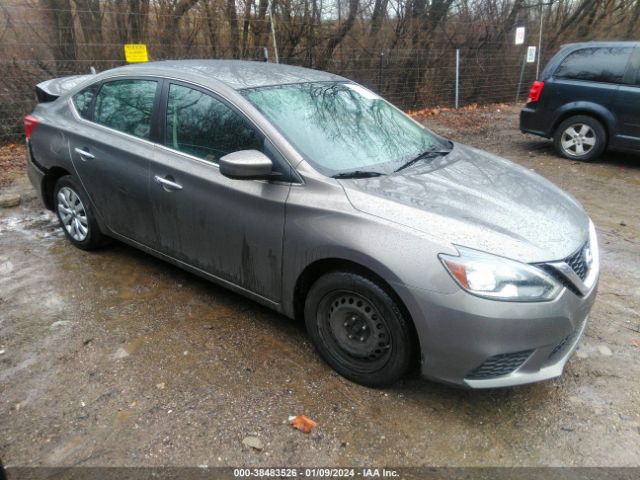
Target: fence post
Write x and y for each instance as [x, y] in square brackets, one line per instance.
[457, 78]
[524, 62]
[539, 41]
[380, 73]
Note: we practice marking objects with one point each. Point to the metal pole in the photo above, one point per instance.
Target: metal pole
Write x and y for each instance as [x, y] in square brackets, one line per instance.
[539, 42]
[273, 33]
[524, 62]
[380, 73]
[457, 77]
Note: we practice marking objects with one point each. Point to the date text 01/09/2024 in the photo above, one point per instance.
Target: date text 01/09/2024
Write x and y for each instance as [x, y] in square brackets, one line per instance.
[315, 472]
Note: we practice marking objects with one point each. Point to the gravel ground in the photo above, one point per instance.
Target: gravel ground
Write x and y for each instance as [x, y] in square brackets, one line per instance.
[116, 358]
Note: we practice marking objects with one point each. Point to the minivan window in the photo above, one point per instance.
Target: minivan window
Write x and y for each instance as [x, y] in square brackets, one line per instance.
[126, 105]
[205, 127]
[602, 64]
[82, 100]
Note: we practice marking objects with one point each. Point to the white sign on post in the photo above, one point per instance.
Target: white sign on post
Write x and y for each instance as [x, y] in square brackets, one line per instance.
[531, 54]
[519, 35]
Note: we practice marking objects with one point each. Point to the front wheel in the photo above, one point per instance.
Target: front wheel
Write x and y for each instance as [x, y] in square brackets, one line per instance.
[359, 329]
[580, 137]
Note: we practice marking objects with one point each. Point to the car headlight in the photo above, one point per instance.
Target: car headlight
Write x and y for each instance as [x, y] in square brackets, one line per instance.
[499, 278]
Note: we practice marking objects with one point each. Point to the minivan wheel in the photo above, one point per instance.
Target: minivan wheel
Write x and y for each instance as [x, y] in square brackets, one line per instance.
[359, 329]
[580, 138]
[75, 214]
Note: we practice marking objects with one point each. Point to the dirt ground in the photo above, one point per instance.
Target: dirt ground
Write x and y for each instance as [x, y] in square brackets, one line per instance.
[116, 358]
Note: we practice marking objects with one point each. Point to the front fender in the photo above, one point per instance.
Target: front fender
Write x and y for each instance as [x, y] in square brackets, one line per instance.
[329, 228]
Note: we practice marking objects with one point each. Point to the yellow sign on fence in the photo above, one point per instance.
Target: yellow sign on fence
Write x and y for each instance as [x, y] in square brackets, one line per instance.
[135, 53]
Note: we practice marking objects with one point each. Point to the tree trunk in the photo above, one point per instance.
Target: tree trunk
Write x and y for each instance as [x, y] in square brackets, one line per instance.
[338, 35]
[377, 17]
[137, 20]
[212, 27]
[63, 46]
[232, 16]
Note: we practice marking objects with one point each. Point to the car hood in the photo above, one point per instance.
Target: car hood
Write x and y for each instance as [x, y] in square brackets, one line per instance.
[478, 200]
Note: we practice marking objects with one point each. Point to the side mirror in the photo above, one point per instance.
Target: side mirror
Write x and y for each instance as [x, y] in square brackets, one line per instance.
[246, 165]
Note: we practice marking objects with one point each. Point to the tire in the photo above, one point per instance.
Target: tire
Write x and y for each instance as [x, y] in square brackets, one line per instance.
[75, 215]
[359, 329]
[580, 137]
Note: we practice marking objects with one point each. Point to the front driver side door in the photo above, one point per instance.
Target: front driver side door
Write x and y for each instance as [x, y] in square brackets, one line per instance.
[231, 229]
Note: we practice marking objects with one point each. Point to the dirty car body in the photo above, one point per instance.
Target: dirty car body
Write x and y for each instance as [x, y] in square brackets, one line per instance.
[493, 268]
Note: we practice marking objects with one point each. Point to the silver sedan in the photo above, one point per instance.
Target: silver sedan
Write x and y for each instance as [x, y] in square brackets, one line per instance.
[312, 195]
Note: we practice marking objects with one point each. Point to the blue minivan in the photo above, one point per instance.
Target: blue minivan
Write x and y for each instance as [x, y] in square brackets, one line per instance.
[587, 100]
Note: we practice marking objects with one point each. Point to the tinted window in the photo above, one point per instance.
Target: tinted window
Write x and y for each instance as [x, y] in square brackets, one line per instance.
[635, 67]
[595, 64]
[200, 125]
[82, 100]
[125, 105]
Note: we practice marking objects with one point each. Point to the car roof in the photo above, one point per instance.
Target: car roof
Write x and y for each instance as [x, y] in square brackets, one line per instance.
[611, 44]
[236, 74]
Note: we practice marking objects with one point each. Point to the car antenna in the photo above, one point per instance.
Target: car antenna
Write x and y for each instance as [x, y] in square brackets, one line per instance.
[92, 69]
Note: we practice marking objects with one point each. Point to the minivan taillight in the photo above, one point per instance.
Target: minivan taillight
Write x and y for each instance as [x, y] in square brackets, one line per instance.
[30, 122]
[535, 91]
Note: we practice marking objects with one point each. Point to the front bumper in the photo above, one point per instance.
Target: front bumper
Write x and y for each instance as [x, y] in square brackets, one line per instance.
[479, 343]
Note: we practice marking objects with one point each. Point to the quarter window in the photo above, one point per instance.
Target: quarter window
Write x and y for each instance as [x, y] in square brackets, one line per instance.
[82, 100]
[201, 125]
[595, 64]
[126, 105]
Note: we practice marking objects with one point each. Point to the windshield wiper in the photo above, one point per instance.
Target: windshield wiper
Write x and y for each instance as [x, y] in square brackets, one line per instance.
[357, 174]
[422, 156]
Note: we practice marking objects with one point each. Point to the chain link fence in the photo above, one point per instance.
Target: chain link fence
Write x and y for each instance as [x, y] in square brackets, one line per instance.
[412, 79]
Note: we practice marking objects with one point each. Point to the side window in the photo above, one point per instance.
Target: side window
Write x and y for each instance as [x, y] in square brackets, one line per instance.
[595, 64]
[202, 126]
[126, 105]
[635, 67]
[82, 100]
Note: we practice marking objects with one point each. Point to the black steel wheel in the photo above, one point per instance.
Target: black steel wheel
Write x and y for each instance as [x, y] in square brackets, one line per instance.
[359, 329]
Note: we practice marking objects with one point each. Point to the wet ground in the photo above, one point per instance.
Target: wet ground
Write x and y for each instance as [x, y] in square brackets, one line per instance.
[116, 358]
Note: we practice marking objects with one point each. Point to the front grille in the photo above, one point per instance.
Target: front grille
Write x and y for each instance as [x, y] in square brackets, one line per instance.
[578, 262]
[499, 365]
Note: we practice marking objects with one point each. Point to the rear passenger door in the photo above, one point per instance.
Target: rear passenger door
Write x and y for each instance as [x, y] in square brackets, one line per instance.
[627, 106]
[110, 149]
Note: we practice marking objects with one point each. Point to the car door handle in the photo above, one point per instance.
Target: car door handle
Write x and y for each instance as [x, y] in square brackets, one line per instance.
[84, 154]
[168, 184]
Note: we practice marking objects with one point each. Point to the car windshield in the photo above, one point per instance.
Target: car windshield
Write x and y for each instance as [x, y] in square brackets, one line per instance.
[343, 127]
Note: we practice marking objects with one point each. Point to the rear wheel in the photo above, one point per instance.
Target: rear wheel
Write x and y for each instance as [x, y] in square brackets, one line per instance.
[359, 329]
[75, 214]
[580, 137]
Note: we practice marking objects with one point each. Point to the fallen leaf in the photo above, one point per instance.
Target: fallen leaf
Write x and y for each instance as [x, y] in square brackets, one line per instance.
[302, 423]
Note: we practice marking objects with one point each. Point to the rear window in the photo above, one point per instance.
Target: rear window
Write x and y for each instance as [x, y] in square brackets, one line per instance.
[595, 64]
[82, 100]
